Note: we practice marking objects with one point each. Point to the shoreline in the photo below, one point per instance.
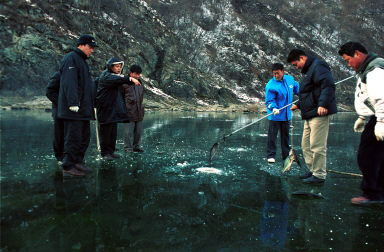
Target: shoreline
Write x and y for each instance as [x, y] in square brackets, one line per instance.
[42, 103]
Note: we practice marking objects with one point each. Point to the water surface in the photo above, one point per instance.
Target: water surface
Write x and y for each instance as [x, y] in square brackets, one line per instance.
[170, 198]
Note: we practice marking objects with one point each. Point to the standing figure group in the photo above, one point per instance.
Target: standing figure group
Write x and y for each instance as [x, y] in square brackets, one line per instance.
[74, 96]
[317, 103]
[118, 98]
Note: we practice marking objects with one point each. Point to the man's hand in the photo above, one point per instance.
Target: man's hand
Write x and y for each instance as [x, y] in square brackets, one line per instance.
[359, 125]
[275, 111]
[74, 108]
[379, 131]
[294, 107]
[322, 111]
[135, 81]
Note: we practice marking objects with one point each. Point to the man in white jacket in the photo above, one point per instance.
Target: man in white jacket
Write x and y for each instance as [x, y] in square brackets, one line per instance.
[369, 105]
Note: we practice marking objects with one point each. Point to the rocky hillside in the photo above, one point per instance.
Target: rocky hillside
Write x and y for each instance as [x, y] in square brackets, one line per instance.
[197, 53]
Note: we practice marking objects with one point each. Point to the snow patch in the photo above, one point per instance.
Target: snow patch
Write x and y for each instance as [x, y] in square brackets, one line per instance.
[209, 170]
[159, 92]
[110, 19]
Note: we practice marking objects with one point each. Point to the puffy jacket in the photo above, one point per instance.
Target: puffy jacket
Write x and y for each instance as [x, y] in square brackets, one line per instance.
[317, 89]
[369, 94]
[109, 101]
[76, 87]
[52, 92]
[278, 94]
[133, 97]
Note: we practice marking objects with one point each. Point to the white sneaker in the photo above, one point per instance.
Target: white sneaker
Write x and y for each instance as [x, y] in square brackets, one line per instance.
[271, 160]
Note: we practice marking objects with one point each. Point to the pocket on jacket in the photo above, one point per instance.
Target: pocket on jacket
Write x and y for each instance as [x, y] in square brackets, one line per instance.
[307, 102]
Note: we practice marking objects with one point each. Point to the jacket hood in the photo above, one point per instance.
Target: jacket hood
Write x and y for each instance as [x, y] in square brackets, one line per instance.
[114, 61]
[370, 57]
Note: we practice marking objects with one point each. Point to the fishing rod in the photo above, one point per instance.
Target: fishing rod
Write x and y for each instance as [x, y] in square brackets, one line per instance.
[215, 148]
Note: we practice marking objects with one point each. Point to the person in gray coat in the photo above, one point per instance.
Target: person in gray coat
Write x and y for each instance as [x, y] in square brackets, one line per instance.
[133, 97]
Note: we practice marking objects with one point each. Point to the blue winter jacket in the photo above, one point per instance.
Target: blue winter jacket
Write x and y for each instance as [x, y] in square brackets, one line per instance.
[278, 94]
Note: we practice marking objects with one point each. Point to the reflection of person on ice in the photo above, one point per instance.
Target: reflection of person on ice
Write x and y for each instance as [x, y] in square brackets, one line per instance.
[369, 104]
[278, 93]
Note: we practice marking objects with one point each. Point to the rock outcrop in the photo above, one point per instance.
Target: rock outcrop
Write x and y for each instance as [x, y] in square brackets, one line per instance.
[193, 53]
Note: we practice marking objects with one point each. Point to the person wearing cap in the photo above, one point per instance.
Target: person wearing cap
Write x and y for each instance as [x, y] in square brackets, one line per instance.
[110, 106]
[75, 105]
[279, 93]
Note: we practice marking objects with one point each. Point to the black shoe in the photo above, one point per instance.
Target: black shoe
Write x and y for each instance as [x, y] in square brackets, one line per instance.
[306, 175]
[138, 150]
[108, 157]
[115, 155]
[73, 172]
[313, 180]
[82, 168]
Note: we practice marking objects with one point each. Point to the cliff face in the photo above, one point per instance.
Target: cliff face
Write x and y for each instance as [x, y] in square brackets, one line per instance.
[197, 52]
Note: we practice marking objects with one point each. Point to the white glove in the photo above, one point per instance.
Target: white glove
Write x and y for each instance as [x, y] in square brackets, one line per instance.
[74, 108]
[379, 131]
[275, 111]
[359, 125]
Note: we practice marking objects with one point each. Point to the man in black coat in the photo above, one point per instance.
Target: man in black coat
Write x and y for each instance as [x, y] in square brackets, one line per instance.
[110, 106]
[317, 102]
[52, 92]
[75, 105]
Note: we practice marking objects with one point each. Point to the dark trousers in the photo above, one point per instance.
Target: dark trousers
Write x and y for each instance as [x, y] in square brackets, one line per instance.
[370, 158]
[108, 135]
[132, 134]
[274, 128]
[76, 140]
[58, 140]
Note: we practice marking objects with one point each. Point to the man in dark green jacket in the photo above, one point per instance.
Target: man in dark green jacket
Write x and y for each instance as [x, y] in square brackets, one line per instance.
[110, 106]
[75, 105]
[52, 92]
[317, 102]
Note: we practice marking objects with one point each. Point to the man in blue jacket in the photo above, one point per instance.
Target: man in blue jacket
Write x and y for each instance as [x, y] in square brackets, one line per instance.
[317, 102]
[278, 93]
[76, 104]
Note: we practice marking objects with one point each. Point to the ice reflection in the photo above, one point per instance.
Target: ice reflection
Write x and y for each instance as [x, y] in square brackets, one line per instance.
[171, 198]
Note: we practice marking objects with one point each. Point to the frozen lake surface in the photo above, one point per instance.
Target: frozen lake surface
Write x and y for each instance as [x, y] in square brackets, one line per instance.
[170, 198]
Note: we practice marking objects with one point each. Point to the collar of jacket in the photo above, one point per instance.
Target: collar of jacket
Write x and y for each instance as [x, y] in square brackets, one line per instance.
[307, 64]
[80, 52]
[370, 57]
